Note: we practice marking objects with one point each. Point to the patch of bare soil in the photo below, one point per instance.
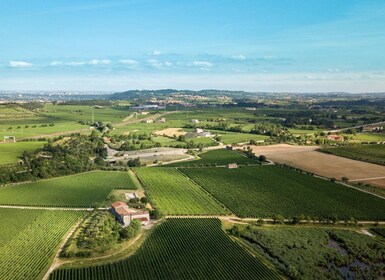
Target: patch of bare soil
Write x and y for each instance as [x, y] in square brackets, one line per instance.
[331, 166]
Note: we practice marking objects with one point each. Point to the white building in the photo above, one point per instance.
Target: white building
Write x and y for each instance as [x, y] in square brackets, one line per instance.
[125, 215]
[195, 121]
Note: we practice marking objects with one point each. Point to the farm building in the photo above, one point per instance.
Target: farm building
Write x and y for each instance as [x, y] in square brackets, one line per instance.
[195, 121]
[162, 120]
[250, 108]
[334, 137]
[198, 130]
[148, 121]
[232, 166]
[125, 215]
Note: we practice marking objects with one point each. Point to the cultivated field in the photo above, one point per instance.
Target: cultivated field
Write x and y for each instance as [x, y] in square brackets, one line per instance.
[306, 158]
[29, 239]
[180, 249]
[371, 153]
[82, 190]
[218, 157]
[11, 152]
[267, 191]
[175, 194]
[170, 132]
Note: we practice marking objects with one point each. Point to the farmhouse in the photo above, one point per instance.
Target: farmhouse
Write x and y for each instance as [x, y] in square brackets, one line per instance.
[334, 137]
[162, 120]
[148, 121]
[198, 130]
[232, 166]
[195, 121]
[125, 215]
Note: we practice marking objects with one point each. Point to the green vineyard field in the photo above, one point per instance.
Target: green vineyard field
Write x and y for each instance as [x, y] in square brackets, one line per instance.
[217, 157]
[175, 194]
[82, 190]
[266, 191]
[30, 239]
[180, 249]
[371, 153]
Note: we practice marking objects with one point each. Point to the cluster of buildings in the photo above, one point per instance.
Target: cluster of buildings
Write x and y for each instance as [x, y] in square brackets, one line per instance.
[126, 215]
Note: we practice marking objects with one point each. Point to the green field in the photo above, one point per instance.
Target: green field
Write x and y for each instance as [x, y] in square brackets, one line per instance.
[218, 157]
[235, 137]
[82, 190]
[374, 153]
[180, 249]
[29, 239]
[11, 152]
[267, 191]
[175, 194]
[318, 253]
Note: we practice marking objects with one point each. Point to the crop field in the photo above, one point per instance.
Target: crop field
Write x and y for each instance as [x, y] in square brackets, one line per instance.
[218, 157]
[175, 194]
[30, 239]
[234, 137]
[330, 166]
[82, 190]
[379, 231]
[180, 249]
[11, 152]
[368, 137]
[84, 113]
[319, 253]
[266, 191]
[374, 153]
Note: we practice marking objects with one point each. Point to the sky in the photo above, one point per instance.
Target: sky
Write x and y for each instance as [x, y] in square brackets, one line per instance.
[252, 45]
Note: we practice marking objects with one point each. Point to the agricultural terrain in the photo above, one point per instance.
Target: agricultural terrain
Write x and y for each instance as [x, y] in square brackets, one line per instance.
[268, 191]
[29, 239]
[175, 194]
[374, 153]
[81, 190]
[180, 249]
[330, 166]
[11, 152]
[318, 253]
[217, 157]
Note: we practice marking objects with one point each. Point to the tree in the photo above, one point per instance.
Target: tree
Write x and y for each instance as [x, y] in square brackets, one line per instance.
[345, 179]
[134, 162]
[262, 158]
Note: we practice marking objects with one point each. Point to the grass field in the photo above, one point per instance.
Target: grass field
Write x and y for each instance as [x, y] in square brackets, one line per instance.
[266, 191]
[218, 157]
[180, 249]
[175, 194]
[11, 152]
[235, 137]
[82, 190]
[374, 153]
[319, 253]
[29, 239]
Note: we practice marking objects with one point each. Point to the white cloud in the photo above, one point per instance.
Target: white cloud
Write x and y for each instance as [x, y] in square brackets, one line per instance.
[99, 62]
[156, 53]
[159, 64]
[75, 63]
[19, 64]
[56, 63]
[202, 64]
[239, 57]
[334, 70]
[130, 62]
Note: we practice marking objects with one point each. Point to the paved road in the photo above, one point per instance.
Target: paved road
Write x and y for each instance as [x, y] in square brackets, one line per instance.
[354, 127]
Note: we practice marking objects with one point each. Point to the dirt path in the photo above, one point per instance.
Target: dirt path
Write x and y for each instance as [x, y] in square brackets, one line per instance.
[56, 260]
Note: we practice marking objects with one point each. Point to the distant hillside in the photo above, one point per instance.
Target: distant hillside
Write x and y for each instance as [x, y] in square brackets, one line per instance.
[145, 94]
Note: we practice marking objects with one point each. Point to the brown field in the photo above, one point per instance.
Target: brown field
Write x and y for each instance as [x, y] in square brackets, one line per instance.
[307, 158]
[170, 132]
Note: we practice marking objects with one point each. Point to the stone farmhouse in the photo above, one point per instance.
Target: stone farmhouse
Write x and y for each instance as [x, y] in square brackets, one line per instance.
[125, 215]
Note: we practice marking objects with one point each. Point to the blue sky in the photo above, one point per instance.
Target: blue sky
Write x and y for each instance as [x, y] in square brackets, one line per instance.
[281, 45]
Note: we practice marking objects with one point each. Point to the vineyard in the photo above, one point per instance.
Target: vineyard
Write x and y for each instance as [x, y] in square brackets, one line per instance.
[180, 249]
[267, 191]
[217, 157]
[374, 153]
[175, 194]
[11, 152]
[29, 240]
[379, 231]
[82, 190]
